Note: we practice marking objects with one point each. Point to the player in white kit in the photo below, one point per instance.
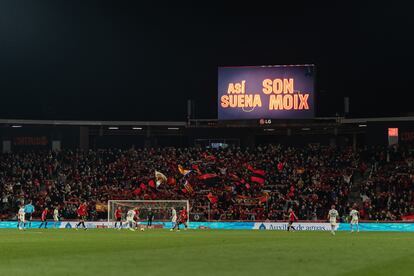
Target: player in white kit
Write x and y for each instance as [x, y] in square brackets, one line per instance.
[173, 218]
[332, 216]
[56, 216]
[354, 214]
[130, 219]
[21, 218]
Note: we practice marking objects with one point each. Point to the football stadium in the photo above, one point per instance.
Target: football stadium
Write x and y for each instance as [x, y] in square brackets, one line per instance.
[172, 139]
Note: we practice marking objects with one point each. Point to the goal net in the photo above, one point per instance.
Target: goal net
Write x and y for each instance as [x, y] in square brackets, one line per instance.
[161, 209]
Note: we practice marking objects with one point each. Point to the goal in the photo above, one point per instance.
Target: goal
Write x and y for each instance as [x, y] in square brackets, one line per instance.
[161, 209]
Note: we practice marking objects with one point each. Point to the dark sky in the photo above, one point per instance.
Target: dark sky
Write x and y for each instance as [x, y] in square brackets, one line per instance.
[125, 60]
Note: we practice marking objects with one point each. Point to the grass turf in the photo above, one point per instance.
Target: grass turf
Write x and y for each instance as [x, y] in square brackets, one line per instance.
[204, 252]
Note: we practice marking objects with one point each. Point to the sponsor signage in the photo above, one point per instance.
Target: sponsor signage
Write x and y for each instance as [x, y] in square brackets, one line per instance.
[299, 226]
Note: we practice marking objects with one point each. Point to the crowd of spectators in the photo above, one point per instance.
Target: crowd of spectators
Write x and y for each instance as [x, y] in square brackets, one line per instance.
[387, 193]
[258, 183]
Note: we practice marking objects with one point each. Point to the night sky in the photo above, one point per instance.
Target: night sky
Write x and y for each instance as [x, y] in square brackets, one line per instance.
[125, 60]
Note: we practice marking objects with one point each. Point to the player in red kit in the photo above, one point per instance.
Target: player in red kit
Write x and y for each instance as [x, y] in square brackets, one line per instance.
[136, 218]
[82, 213]
[44, 217]
[292, 219]
[183, 219]
[118, 217]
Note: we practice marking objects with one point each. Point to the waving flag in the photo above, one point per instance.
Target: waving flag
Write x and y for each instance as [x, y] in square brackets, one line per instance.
[300, 170]
[151, 183]
[256, 171]
[234, 177]
[207, 176]
[183, 171]
[256, 179]
[209, 157]
[280, 166]
[257, 176]
[196, 168]
[188, 187]
[213, 199]
[264, 198]
[171, 181]
[137, 191]
[160, 178]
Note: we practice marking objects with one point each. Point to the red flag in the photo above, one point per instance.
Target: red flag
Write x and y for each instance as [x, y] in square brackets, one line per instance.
[207, 176]
[151, 183]
[234, 177]
[280, 166]
[256, 171]
[259, 172]
[209, 157]
[257, 180]
[171, 181]
[143, 186]
[213, 199]
[196, 168]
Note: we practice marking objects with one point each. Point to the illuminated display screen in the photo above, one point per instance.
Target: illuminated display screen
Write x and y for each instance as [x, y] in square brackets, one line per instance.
[276, 92]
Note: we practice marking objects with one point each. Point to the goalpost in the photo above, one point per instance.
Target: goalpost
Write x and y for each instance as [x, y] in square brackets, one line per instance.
[161, 209]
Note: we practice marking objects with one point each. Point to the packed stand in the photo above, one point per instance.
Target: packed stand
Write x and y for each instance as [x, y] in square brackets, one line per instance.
[259, 183]
[387, 193]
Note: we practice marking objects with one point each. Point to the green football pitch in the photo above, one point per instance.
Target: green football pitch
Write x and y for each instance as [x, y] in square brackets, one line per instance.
[204, 252]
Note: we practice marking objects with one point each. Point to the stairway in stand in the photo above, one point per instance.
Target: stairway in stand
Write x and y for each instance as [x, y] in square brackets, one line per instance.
[355, 191]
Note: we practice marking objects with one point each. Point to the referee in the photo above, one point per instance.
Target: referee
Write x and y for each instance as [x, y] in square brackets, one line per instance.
[28, 212]
[150, 217]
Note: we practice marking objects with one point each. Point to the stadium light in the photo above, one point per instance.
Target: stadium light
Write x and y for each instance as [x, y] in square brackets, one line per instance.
[113, 128]
[362, 125]
[305, 128]
[16, 126]
[137, 128]
[269, 129]
[173, 128]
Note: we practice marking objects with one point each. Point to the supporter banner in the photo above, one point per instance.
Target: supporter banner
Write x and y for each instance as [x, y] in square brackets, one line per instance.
[266, 92]
[299, 226]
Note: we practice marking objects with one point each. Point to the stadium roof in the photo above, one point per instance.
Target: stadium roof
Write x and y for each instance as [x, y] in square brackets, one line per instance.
[201, 122]
[91, 123]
